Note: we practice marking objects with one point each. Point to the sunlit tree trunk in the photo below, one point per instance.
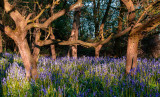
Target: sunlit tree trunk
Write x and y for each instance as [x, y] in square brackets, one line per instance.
[36, 32]
[132, 48]
[1, 45]
[1, 48]
[27, 58]
[97, 51]
[52, 46]
[36, 48]
[53, 51]
[23, 24]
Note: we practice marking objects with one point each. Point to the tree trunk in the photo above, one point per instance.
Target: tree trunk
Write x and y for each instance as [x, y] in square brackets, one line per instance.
[69, 52]
[53, 51]
[15, 48]
[156, 48]
[132, 48]
[100, 34]
[74, 32]
[1, 48]
[27, 59]
[35, 53]
[74, 51]
[97, 51]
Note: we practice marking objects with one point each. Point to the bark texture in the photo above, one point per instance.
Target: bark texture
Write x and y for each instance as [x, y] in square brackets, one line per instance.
[132, 48]
[52, 46]
[97, 51]
[53, 51]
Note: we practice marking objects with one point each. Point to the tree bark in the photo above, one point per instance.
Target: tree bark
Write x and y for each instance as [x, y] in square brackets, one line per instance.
[156, 48]
[1, 48]
[27, 58]
[132, 48]
[97, 50]
[15, 48]
[36, 48]
[53, 51]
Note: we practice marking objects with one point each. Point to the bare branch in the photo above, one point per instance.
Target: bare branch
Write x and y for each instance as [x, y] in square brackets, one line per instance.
[145, 11]
[50, 31]
[82, 43]
[7, 6]
[131, 11]
[104, 20]
[55, 16]
[147, 26]
[37, 17]
[28, 17]
[8, 31]
[122, 33]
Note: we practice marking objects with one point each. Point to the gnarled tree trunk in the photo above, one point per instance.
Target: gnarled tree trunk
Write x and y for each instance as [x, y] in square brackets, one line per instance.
[27, 58]
[132, 53]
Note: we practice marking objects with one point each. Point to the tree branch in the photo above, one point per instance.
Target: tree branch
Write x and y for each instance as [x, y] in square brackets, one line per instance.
[80, 42]
[104, 19]
[147, 26]
[55, 16]
[37, 17]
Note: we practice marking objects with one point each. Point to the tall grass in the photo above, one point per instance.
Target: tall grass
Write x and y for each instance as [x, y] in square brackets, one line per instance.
[85, 76]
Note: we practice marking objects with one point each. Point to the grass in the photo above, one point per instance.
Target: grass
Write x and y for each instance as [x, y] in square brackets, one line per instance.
[86, 76]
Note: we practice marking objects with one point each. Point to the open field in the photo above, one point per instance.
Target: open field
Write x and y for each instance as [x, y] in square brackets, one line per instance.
[85, 76]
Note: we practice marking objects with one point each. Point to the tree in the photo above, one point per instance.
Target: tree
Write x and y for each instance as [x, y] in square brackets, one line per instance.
[1, 48]
[74, 32]
[101, 31]
[23, 24]
[140, 27]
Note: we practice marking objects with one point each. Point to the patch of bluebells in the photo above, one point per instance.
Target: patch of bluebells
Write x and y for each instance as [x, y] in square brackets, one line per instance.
[85, 76]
